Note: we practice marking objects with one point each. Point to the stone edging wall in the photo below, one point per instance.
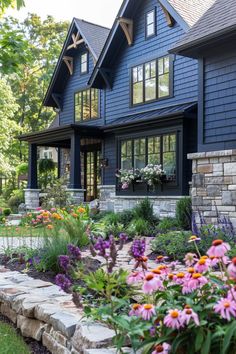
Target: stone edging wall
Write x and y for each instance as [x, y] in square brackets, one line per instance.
[214, 184]
[45, 313]
[163, 205]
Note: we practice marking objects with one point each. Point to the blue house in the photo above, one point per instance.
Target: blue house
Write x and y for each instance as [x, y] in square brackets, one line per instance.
[211, 41]
[124, 102]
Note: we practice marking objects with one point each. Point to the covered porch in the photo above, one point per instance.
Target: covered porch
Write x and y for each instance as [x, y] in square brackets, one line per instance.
[83, 144]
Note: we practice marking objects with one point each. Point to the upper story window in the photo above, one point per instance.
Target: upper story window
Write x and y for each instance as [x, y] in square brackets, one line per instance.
[151, 81]
[150, 23]
[86, 105]
[84, 63]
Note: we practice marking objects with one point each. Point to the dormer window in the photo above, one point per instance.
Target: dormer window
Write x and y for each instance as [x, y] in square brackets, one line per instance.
[86, 105]
[151, 23]
[84, 63]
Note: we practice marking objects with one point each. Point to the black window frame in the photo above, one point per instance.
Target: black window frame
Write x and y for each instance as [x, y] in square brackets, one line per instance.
[157, 98]
[87, 61]
[90, 103]
[154, 11]
[168, 188]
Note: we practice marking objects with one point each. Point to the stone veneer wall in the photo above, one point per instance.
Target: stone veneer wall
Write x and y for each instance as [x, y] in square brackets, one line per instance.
[214, 184]
[163, 206]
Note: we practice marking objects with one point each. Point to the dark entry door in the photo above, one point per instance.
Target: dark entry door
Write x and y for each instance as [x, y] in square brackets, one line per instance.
[91, 174]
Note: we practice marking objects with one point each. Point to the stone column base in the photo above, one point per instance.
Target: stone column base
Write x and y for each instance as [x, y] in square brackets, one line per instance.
[214, 185]
[32, 198]
[76, 196]
[107, 197]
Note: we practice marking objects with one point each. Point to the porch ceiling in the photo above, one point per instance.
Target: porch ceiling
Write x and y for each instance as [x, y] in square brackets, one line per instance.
[61, 136]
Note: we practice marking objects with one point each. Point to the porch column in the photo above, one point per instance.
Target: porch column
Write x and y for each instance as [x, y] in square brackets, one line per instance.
[59, 163]
[76, 193]
[75, 163]
[32, 191]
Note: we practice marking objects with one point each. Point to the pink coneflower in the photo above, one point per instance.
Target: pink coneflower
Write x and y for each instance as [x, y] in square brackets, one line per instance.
[190, 259]
[173, 319]
[147, 312]
[151, 284]
[136, 310]
[232, 269]
[134, 277]
[196, 281]
[188, 314]
[226, 308]
[179, 278]
[163, 348]
[218, 249]
[202, 265]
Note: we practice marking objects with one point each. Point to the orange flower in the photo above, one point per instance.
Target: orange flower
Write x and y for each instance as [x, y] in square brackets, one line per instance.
[49, 227]
[81, 210]
[74, 215]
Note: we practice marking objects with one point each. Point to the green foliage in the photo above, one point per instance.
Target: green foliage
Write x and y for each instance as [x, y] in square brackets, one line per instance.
[46, 165]
[54, 246]
[5, 4]
[173, 244]
[184, 213]
[6, 211]
[56, 195]
[17, 197]
[76, 228]
[125, 217]
[139, 227]
[47, 170]
[22, 169]
[144, 210]
[10, 341]
[167, 224]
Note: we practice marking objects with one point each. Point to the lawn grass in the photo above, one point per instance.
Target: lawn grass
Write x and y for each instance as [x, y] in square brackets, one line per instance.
[21, 231]
[10, 341]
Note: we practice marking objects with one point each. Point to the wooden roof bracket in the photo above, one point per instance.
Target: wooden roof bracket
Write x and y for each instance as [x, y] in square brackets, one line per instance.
[58, 100]
[76, 41]
[69, 63]
[169, 19]
[127, 26]
[106, 75]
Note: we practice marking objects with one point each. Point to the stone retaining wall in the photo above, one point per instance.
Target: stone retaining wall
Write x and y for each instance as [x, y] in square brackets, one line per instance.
[163, 205]
[214, 184]
[45, 313]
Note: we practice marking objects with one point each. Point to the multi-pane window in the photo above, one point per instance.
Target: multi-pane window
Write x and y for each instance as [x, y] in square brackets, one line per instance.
[86, 105]
[126, 154]
[84, 63]
[157, 150]
[150, 23]
[151, 81]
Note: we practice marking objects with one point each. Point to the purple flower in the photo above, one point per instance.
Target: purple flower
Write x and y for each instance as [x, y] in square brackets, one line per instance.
[138, 248]
[123, 237]
[74, 251]
[63, 281]
[64, 262]
[101, 246]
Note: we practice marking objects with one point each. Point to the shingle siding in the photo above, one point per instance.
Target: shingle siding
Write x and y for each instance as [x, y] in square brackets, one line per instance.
[219, 99]
[76, 83]
[185, 70]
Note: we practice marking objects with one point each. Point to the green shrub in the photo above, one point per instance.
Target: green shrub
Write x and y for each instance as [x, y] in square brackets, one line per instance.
[184, 213]
[17, 197]
[76, 230]
[144, 210]
[173, 244]
[139, 227]
[111, 218]
[125, 217]
[6, 211]
[167, 224]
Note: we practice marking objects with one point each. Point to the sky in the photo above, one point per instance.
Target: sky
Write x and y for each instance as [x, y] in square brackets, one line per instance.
[102, 12]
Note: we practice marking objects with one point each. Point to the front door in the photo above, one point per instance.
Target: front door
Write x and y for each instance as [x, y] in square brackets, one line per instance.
[91, 162]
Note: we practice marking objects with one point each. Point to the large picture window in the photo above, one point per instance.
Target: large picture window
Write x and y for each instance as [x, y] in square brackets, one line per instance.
[151, 81]
[86, 105]
[157, 150]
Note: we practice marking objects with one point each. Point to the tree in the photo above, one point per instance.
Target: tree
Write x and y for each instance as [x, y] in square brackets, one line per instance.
[8, 127]
[5, 4]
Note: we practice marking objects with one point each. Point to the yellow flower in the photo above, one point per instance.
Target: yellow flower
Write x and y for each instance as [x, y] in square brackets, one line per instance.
[49, 227]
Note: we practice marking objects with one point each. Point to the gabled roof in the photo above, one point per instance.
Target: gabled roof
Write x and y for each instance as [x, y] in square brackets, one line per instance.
[220, 19]
[184, 12]
[94, 37]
